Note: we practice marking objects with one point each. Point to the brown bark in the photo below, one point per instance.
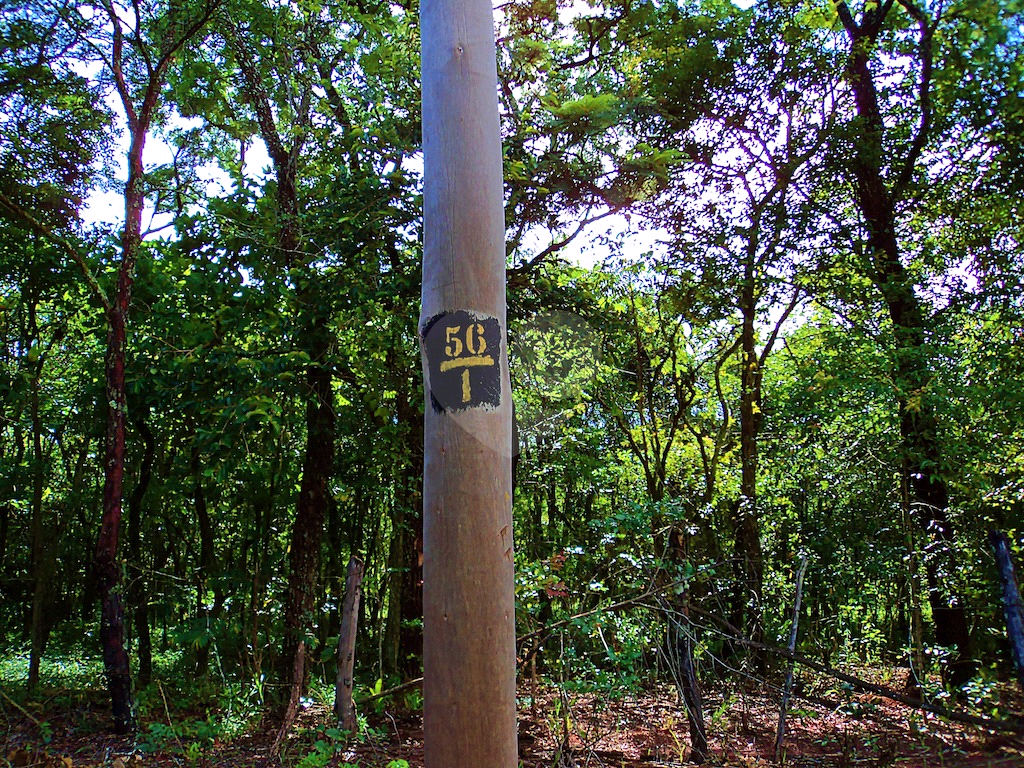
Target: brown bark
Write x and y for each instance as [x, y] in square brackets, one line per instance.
[749, 560]
[878, 193]
[315, 339]
[138, 594]
[679, 640]
[307, 531]
[106, 567]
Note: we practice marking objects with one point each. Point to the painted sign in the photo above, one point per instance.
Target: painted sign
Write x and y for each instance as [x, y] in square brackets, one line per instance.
[462, 360]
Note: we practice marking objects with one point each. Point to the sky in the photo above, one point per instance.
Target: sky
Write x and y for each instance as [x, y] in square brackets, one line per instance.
[107, 206]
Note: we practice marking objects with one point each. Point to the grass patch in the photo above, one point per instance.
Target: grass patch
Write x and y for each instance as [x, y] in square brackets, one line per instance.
[71, 668]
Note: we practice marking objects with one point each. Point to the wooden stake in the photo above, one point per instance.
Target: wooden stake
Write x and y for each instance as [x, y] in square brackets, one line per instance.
[344, 709]
[468, 597]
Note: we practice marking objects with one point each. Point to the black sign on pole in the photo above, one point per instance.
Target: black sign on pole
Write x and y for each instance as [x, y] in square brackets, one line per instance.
[462, 361]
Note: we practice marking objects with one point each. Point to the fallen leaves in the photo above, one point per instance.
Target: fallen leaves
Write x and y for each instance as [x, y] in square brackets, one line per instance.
[38, 758]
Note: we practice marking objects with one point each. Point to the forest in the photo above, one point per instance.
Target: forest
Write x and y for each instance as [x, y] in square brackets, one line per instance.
[765, 293]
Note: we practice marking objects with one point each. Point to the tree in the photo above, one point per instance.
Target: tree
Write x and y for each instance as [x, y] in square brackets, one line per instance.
[738, 209]
[136, 46]
[896, 147]
[50, 134]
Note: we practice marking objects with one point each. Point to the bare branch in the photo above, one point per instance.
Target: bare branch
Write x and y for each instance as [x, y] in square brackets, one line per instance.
[68, 249]
[117, 69]
[773, 337]
[925, 99]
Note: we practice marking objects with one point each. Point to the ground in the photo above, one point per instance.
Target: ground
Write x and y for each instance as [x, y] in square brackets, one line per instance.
[558, 730]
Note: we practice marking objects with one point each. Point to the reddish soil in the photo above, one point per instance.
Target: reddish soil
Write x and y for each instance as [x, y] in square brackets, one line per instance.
[564, 730]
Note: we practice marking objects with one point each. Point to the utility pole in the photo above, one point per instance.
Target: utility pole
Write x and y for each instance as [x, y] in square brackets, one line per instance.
[469, 717]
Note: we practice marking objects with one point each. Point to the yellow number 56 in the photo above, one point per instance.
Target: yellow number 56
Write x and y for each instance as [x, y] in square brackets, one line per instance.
[476, 344]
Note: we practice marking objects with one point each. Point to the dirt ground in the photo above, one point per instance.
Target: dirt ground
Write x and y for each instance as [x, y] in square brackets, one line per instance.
[558, 730]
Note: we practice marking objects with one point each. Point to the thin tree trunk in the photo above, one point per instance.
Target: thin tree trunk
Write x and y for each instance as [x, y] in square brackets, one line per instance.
[42, 556]
[749, 565]
[680, 644]
[207, 563]
[344, 709]
[787, 688]
[392, 634]
[307, 532]
[261, 545]
[410, 644]
[1012, 607]
[294, 696]
[316, 340]
[5, 522]
[138, 588]
[916, 678]
[106, 567]
[685, 668]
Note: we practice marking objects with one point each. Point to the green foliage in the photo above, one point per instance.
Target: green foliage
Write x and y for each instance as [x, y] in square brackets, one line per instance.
[723, 135]
[323, 751]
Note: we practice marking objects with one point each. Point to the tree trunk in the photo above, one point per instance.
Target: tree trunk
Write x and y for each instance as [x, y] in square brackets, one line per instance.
[106, 568]
[670, 549]
[916, 678]
[920, 445]
[207, 562]
[315, 339]
[787, 688]
[307, 532]
[5, 522]
[138, 592]
[410, 645]
[680, 645]
[264, 507]
[392, 634]
[42, 555]
[1013, 609]
[749, 563]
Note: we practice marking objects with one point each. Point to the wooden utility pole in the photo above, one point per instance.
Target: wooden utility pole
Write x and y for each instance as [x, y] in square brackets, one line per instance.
[469, 716]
